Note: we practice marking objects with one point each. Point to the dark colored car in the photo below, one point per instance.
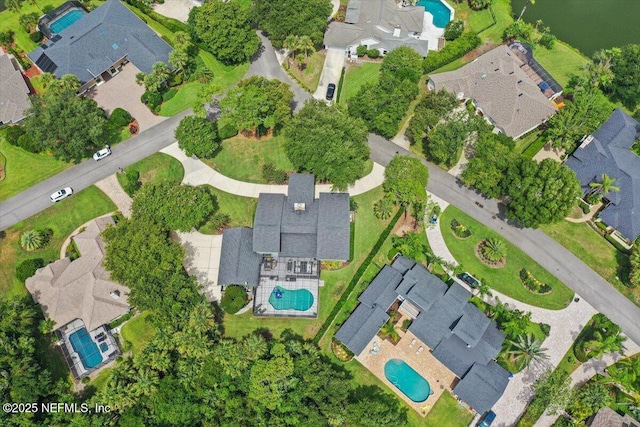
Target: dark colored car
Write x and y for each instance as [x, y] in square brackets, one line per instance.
[487, 419]
[331, 90]
[469, 279]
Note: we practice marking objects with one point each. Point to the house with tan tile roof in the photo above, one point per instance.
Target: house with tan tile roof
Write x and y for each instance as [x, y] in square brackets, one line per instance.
[14, 92]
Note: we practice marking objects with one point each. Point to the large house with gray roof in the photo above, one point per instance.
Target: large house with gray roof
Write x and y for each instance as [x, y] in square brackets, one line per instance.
[508, 93]
[458, 334]
[94, 47]
[14, 92]
[608, 151]
[292, 233]
[378, 24]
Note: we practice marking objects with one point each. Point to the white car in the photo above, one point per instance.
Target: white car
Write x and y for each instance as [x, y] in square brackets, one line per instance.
[99, 155]
[61, 194]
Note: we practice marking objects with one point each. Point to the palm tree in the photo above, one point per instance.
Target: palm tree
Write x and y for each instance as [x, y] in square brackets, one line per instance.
[383, 208]
[494, 249]
[602, 344]
[538, 23]
[606, 185]
[305, 44]
[291, 43]
[527, 349]
[628, 372]
[31, 240]
[525, 8]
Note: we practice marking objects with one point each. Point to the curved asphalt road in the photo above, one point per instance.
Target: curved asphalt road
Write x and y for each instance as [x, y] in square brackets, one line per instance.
[542, 248]
[87, 173]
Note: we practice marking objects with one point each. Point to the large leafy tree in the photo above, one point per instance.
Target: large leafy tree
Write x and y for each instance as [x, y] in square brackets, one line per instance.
[552, 390]
[402, 63]
[626, 75]
[327, 142]
[405, 181]
[281, 19]
[634, 260]
[486, 169]
[224, 27]
[540, 193]
[257, 104]
[198, 136]
[178, 207]
[64, 123]
[445, 142]
[432, 108]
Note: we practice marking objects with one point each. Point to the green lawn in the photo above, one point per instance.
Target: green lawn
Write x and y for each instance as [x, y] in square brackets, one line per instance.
[505, 280]
[186, 97]
[137, 332]
[157, 167]
[585, 243]
[240, 209]
[357, 76]
[242, 159]
[502, 10]
[63, 218]
[25, 169]
[561, 61]
[446, 412]
[223, 75]
[368, 229]
[310, 75]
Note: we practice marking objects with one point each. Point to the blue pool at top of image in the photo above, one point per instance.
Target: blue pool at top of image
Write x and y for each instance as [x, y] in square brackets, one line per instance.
[441, 13]
[65, 21]
[407, 380]
[85, 347]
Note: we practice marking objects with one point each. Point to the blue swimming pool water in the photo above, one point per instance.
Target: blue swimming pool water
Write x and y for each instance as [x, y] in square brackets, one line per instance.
[65, 21]
[441, 13]
[104, 347]
[285, 299]
[86, 348]
[407, 380]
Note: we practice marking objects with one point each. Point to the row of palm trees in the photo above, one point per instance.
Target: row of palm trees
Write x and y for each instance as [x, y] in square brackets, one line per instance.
[298, 44]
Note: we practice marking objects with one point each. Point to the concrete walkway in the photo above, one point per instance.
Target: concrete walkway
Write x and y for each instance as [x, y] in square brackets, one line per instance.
[434, 236]
[111, 187]
[197, 172]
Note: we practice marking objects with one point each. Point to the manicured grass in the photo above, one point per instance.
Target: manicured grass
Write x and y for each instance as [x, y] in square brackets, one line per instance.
[242, 159]
[63, 218]
[223, 75]
[240, 209]
[504, 17]
[138, 331]
[585, 243]
[157, 167]
[36, 82]
[447, 412]
[368, 229]
[505, 280]
[25, 169]
[357, 76]
[99, 382]
[561, 62]
[310, 75]
[186, 97]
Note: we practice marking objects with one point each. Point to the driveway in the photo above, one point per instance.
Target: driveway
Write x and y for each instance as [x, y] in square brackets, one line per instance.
[265, 64]
[176, 9]
[331, 71]
[202, 260]
[123, 91]
[543, 249]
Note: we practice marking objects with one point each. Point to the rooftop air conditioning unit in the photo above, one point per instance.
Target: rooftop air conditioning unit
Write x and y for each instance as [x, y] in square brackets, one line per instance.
[299, 207]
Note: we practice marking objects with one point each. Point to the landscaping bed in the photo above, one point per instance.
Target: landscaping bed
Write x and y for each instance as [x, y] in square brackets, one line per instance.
[506, 280]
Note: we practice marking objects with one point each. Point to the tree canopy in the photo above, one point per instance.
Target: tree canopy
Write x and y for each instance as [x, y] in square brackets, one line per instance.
[257, 104]
[626, 75]
[327, 142]
[64, 123]
[428, 112]
[487, 168]
[405, 180]
[402, 63]
[444, 143]
[178, 207]
[224, 27]
[540, 193]
[281, 19]
[198, 136]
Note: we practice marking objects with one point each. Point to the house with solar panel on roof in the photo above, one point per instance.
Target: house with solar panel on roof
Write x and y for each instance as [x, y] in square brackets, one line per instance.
[94, 46]
[279, 259]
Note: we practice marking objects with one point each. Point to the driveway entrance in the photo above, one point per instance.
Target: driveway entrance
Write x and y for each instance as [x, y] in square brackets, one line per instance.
[331, 71]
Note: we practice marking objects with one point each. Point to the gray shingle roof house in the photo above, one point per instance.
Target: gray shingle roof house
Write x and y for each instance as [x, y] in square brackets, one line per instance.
[607, 417]
[14, 92]
[457, 332]
[608, 151]
[98, 43]
[378, 24]
[499, 87]
[81, 289]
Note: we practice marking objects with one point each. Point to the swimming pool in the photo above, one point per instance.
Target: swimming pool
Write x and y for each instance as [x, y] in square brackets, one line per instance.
[86, 348]
[65, 21]
[285, 299]
[407, 380]
[441, 13]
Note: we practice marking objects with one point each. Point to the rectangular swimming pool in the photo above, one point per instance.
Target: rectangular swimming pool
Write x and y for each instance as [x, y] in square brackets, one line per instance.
[65, 21]
[86, 348]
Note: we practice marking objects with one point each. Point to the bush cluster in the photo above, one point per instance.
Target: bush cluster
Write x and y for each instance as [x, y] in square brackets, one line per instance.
[219, 221]
[36, 36]
[120, 117]
[169, 94]
[459, 230]
[533, 284]
[27, 268]
[152, 100]
[451, 51]
[131, 182]
[454, 29]
[271, 173]
[235, 297]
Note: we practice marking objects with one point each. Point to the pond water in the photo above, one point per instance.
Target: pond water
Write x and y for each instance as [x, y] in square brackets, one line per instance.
[588, 25]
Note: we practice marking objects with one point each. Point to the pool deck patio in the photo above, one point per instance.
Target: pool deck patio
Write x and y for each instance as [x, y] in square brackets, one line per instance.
[439, 377]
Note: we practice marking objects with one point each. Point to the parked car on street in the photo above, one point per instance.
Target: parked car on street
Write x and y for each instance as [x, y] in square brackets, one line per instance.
[469, 279]
[61, 194]
[99, 155]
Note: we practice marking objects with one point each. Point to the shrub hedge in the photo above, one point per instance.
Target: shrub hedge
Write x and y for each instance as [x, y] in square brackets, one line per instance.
[235, 297]
[451, 51]
[356, 277]
[28, 267]
[120, 117]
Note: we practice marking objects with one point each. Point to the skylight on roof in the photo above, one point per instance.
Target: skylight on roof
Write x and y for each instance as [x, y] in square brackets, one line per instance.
[100, 30]
[115, 46]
